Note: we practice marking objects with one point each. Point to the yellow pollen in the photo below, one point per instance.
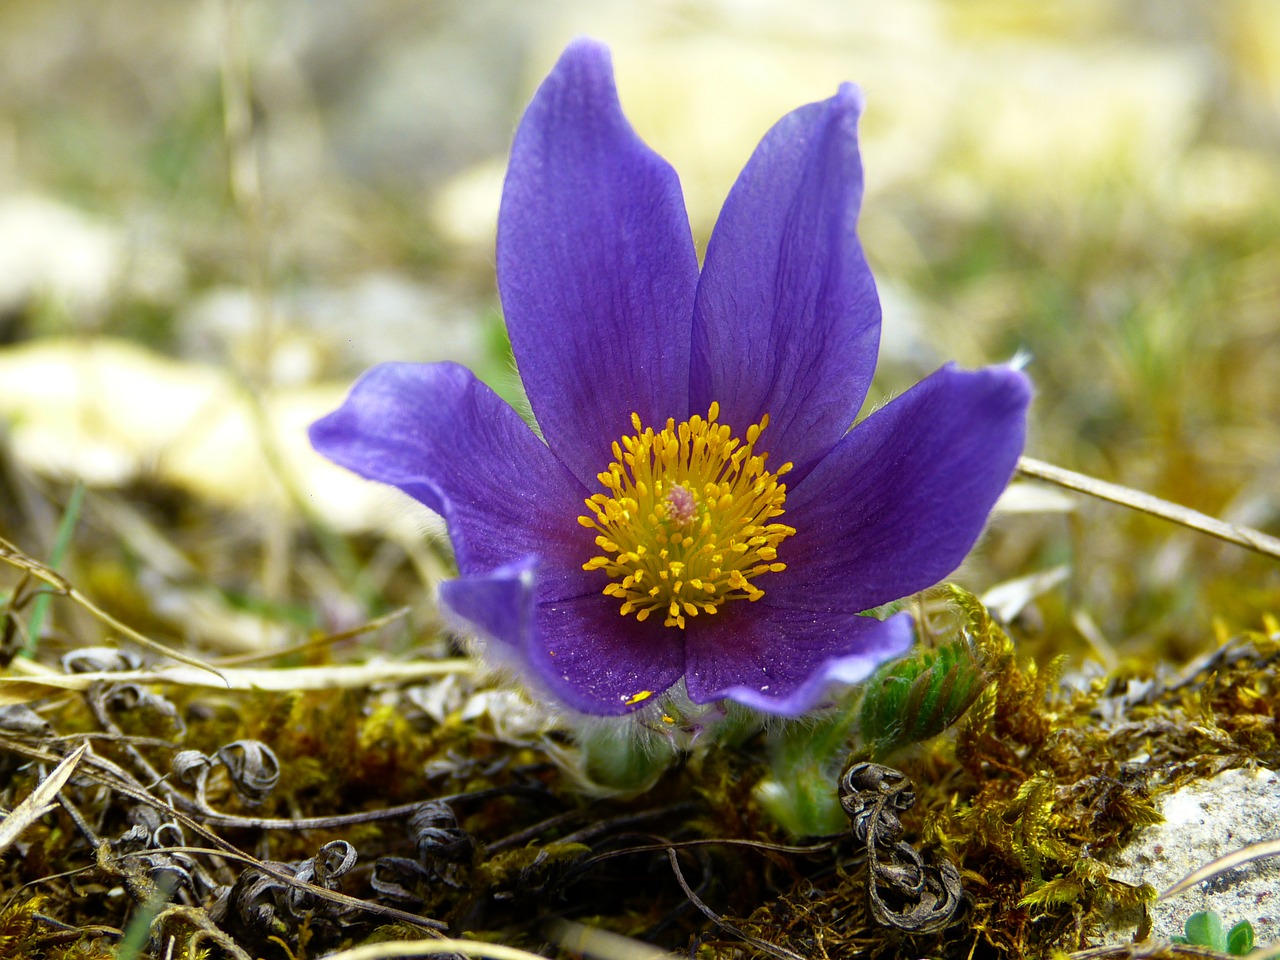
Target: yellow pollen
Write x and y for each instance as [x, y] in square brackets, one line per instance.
[686, 522]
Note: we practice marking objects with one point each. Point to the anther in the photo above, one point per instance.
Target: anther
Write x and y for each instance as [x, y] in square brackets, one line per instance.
[686, 520]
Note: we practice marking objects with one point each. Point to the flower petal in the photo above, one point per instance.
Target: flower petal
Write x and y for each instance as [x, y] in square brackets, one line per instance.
[499, 605]
[444, 438]
[600, 662]
[902, 499]
[581, 651]
[787, 320]
[596, 266]
[780, 660]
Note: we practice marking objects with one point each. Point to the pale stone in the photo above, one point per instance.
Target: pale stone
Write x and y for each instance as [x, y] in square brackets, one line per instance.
[109, 412]
[1203, 821]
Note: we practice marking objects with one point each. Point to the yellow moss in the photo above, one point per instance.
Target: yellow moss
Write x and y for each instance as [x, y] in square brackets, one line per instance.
[1060, 891]
[385, 725]
[16, 923]
[1037, 785]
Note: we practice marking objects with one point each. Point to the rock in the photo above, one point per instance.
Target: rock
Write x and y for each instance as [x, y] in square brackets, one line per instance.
[1203, 821]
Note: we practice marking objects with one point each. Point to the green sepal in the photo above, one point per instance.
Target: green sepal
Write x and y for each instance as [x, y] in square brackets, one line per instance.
[804, 762]
[625, 761]
[805, 759]
[923, 693]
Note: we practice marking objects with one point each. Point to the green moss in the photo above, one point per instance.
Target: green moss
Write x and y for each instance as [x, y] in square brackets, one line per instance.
[1034, 784]
[1040, 781]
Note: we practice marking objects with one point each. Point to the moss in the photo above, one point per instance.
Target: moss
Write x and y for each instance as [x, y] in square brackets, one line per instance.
[1039, 782]
[1041, 778]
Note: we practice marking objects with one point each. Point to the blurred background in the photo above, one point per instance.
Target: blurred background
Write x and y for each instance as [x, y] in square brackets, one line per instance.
[214, 214]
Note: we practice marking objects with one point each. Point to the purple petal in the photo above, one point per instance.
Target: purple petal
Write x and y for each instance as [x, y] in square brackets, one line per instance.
[901, 501]
[596, 266]
[499, 605]
[600, 662]
[443, 437]
[581, 651]
[787, 320]
[781, 661]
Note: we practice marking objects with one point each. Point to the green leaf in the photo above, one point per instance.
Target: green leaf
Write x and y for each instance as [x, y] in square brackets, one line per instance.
[61, 544]
[1205, 929]
[1240, 938]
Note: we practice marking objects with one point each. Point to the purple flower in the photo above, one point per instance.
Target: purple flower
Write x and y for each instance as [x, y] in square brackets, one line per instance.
[700, 508]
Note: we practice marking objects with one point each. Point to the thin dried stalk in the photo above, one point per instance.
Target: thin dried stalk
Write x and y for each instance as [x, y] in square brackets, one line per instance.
[764, 946]
[38, 685]
[62, 586]
[110, 776]
[1137, 500]
[204, 929]
[580, 939]
[1237, 858]
[377, 623]
[432, 948]
[1156, 950]
[40, 801]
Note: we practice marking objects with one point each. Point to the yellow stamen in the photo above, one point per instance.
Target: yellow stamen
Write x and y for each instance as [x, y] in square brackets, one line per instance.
[686, 522]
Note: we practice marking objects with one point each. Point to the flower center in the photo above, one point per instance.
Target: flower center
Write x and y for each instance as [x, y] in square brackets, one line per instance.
[685, 522]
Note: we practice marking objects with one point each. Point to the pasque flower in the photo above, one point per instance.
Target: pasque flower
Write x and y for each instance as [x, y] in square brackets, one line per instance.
[700, 508]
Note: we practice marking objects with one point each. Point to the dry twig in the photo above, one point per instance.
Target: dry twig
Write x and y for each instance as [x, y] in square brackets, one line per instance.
[1144, 502]
[40, 801]
[62, 587]
[1237, 858]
